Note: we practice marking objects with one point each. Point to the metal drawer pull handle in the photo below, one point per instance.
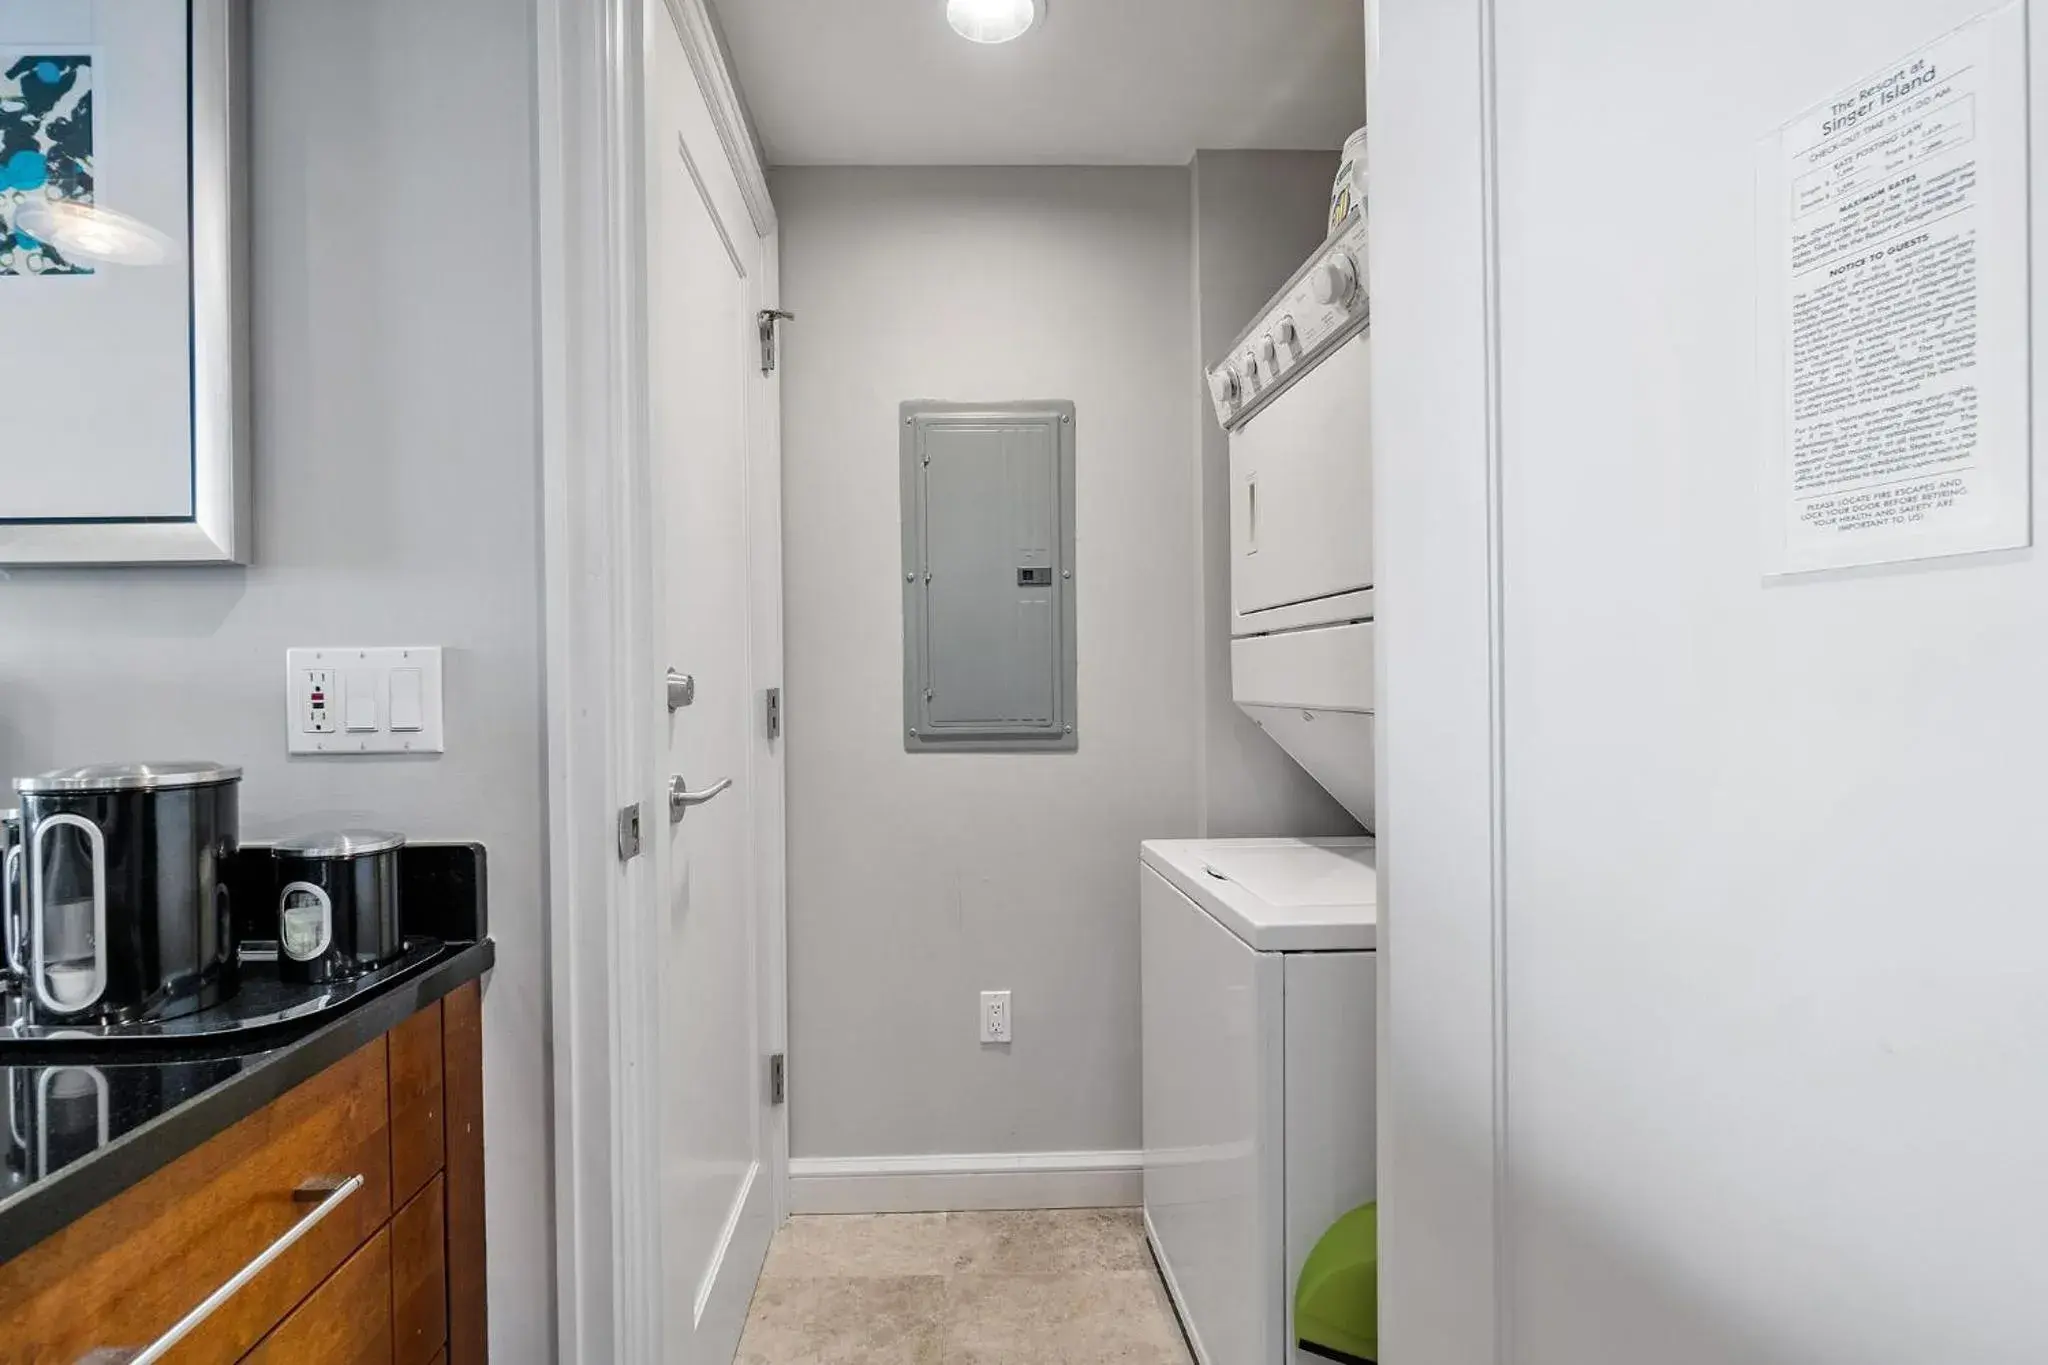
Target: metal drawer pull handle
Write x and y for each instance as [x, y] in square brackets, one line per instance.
[328, 1191]
[681, 798]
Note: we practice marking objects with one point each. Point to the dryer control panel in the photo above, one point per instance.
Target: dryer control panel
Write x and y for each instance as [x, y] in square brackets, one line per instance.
[1320, 309]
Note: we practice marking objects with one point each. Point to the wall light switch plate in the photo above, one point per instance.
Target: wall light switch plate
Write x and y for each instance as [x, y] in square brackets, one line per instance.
[385, 700]
[995, 1016]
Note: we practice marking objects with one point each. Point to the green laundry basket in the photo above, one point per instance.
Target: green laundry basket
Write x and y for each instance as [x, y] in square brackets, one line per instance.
[1337, 1302]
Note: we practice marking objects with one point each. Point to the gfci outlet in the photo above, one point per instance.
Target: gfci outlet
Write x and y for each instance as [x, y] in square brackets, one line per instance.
[995, 1016]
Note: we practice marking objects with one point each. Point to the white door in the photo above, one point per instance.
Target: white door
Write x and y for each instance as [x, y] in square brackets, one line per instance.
[715, 1145]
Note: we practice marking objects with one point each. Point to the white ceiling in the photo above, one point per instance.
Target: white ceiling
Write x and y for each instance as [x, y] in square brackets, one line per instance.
[1147, 82]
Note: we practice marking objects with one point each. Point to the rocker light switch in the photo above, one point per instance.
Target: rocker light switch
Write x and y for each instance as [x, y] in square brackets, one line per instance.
[405, 699]
[359, 690]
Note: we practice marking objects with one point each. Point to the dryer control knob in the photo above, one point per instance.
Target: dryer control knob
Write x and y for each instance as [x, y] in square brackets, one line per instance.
[1268, 352]
[1283, 331]
[1224, 385]
[1251, 366]
[1336, 280]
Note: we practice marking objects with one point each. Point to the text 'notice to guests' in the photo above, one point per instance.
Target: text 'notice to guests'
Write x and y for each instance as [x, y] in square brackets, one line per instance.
[1893, 230]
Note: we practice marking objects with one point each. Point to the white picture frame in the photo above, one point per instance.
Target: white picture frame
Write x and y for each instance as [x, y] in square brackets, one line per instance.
[217, 531]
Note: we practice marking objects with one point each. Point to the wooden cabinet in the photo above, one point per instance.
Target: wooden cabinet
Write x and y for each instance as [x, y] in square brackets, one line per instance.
[417, 1143]
[462, 1054]
[419, 1277]
[371, 1170]
[338, 1324]
[123, 1274]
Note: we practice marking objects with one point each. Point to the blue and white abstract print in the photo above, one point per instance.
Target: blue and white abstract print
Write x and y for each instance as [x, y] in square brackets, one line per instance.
[45, 151]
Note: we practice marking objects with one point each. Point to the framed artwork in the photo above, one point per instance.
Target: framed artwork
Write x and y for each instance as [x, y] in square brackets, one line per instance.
[123, 361]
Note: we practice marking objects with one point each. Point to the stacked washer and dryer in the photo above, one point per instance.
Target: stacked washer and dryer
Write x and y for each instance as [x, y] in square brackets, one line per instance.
[1259, 954]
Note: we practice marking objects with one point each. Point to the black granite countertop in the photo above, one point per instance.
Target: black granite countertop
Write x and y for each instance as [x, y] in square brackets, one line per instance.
[157, 1110]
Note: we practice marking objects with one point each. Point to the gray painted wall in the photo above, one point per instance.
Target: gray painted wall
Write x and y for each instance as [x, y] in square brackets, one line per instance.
[1257, 216]
[918, 880]
[396, 502]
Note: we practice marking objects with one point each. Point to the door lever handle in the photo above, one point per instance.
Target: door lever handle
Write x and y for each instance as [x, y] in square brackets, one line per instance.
[681, 798]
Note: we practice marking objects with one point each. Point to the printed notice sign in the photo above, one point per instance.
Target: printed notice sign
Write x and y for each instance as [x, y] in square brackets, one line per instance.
[1892, 236]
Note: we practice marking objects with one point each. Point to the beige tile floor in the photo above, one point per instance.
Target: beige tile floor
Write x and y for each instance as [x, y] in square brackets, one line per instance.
[1041, 1288]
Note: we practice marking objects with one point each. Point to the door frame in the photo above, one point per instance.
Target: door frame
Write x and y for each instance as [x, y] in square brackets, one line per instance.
[601, 671]
[1446, 1206]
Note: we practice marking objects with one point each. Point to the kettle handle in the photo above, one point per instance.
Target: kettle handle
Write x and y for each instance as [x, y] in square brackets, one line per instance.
[8, 911]
[39, 912]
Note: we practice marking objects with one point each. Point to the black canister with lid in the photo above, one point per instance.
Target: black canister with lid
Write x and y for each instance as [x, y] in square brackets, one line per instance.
[124, 890]
[337, 904]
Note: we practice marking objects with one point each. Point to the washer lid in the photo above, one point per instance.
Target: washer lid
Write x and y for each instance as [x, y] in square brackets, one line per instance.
[1279, 895]
[339, 843]
[131, 777]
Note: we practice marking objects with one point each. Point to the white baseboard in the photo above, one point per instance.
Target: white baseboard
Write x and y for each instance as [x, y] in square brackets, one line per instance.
[935, 1184]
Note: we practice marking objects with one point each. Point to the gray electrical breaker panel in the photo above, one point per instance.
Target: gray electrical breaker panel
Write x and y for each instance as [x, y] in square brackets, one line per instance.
[988, 576]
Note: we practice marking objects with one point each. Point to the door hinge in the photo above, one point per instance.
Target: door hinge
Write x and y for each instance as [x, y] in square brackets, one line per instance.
[768, 318]
[778, 1078]
[774, 710]
[629, 832]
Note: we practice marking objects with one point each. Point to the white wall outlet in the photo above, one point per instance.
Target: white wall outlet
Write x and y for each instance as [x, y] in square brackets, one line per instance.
[995, 1016]
[314, 701]
[364, 701]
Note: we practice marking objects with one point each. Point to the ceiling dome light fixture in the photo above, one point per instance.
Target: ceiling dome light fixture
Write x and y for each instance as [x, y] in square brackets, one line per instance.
[993, 21]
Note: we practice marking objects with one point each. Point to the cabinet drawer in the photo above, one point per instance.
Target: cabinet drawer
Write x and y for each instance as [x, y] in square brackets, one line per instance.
[347, 1321]
[126, 1272]
[417, 1142]
[419, 1277]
